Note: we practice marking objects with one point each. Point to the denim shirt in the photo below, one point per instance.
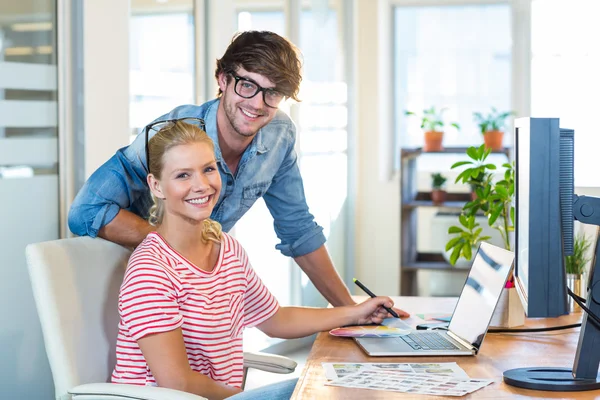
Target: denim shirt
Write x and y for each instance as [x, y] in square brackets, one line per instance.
[268, 168]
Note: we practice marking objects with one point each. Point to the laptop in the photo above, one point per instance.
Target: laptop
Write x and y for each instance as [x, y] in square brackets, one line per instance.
[470, 320]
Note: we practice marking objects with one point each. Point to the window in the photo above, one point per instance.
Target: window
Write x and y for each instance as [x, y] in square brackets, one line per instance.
[457, 57]
[321, 145]
[161, 61]
[564, 74]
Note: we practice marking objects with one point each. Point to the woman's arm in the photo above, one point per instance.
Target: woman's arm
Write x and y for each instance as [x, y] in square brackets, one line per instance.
[294, 322]
[166, 356]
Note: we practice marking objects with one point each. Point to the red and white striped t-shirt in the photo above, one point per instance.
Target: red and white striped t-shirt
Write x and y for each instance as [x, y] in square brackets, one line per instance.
[162, 291]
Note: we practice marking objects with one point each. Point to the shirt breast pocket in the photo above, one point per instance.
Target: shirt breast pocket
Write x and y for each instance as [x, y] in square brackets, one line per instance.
[252, 193]
[236, 313]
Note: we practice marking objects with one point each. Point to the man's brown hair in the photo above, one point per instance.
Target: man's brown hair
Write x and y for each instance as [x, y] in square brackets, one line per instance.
[265, 53]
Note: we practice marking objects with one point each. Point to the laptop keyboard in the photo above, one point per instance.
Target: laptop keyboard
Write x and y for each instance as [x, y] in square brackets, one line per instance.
[428, 341]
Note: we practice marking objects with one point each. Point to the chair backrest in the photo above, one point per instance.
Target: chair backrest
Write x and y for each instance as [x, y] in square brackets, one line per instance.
[76, 288]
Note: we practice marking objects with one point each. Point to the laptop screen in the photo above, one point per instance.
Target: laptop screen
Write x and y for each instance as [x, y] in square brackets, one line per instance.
[481, 293]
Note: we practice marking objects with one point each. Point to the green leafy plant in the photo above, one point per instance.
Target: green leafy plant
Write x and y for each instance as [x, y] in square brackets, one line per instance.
[577, 262]
[437, 181]
[494, 199]
[466, 238]
[494, 121]
[477, 175]
[432, 120]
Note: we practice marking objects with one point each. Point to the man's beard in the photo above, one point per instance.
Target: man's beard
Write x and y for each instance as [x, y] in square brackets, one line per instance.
[230, 113]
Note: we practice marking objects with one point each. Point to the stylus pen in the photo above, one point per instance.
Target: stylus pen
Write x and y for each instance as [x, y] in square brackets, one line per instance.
[367, 291]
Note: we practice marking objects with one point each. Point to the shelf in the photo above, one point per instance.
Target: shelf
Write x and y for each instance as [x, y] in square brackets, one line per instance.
[411, 200]
[432, 266]
[455, 205]
[415, 152]
[430, 262]
[454, 201]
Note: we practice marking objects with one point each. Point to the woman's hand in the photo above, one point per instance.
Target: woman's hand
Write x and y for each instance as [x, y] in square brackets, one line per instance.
[371, 311]
[401, 313]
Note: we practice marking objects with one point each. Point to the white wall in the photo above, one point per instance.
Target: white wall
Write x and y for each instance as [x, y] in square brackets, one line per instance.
[378, 195]
[106, 79]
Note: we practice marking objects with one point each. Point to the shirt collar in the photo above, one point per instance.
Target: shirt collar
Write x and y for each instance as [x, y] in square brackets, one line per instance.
[211, 128]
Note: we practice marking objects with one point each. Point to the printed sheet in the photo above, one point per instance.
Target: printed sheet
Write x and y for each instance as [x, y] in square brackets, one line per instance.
[405, 382]
[339, 370]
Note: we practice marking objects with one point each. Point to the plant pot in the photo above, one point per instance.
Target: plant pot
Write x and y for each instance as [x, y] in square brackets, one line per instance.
[433, 141]
[576, 283]
[493, 140]
[509, 310]
[438, 196]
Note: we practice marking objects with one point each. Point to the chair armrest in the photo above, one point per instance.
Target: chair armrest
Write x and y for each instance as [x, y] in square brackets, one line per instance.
[118, 391]
[269, 362]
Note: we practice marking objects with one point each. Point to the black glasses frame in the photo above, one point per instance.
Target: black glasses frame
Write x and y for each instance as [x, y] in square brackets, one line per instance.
[200, 122]
[258, 89]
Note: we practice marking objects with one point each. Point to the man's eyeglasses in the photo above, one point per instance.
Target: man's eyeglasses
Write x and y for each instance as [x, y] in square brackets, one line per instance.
[168, 124]
[248, 89]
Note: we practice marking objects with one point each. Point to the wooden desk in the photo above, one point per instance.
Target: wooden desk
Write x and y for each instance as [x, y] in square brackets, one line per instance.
[499, 352]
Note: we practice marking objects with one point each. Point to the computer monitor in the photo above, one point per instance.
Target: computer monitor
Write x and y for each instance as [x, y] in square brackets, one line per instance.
[543, 176]
[545, 207]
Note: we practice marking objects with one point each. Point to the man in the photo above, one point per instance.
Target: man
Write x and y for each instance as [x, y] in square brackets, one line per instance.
[254, 147]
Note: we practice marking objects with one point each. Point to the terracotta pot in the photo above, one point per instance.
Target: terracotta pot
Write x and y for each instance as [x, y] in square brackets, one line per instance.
[438, 196]
[493, 140]
[433, 141]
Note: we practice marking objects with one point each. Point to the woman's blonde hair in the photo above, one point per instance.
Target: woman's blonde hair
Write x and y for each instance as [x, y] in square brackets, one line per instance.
[175, 134]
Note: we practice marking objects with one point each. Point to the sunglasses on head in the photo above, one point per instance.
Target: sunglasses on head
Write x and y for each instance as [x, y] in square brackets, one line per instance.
[168, 124]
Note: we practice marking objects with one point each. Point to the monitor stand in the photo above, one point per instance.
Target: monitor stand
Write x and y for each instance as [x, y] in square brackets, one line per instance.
[552, 379]
[584, 374]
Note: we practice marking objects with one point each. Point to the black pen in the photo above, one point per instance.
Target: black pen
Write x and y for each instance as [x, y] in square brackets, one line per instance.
[367, 291]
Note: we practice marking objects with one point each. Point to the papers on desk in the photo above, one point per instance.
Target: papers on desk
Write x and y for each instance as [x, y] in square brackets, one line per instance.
[369, 331]
[403, 323]
[390, 327]
[340, 370]
[405, 382]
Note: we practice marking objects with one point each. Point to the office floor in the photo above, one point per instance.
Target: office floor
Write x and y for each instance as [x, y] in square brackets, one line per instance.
[257, 378]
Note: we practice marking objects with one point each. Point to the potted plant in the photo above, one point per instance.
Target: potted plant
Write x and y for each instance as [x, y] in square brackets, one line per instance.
[432, 124]
[478, 175]
[494, 199]
[438, 194]
[576, 267]
[492, 127]
[466, 240]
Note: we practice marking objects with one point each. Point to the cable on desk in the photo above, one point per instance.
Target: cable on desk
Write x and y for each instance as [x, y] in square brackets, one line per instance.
[552, 328]
[579, 300]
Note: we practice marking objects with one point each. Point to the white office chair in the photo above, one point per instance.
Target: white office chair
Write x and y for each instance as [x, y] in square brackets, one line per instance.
[76, 288]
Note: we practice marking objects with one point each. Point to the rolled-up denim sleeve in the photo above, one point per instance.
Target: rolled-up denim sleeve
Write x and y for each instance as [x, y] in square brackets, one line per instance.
[294, 224]
[114, 186]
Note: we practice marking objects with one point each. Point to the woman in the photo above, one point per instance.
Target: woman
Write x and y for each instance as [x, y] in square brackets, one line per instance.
[189, 290]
